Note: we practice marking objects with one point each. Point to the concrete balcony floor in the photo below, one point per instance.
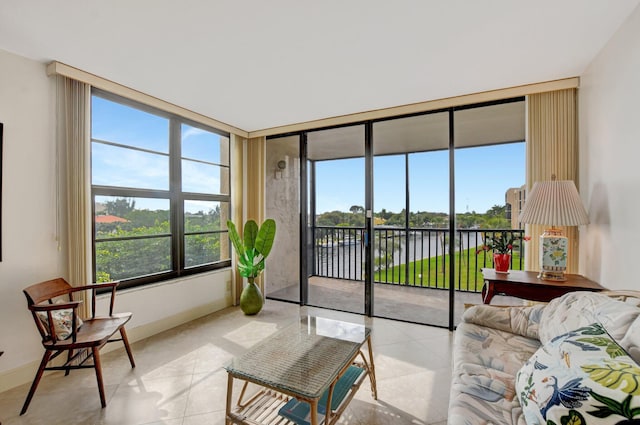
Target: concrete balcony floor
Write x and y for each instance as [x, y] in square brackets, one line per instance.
[412, 304]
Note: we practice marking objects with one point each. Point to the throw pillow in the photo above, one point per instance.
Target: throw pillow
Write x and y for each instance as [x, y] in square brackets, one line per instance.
[581, 377]
[61, 321]
[577, 309]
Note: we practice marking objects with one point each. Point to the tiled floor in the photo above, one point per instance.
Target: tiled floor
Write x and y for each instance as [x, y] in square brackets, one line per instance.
[180, 380]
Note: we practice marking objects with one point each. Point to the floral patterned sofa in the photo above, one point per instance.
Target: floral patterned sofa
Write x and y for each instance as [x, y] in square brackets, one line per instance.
[572, 361]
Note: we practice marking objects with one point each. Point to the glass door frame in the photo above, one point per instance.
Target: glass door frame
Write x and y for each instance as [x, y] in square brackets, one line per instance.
[308, 204]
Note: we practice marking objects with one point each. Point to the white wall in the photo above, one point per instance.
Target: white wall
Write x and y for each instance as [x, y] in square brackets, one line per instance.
[29, 247]
[610, 160]
[29, 232]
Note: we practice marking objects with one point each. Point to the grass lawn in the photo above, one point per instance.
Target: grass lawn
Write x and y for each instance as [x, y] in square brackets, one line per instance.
[434, 272]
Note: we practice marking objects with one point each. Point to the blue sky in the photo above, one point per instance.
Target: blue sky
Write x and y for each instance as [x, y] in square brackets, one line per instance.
[483, 175]
[115, 166]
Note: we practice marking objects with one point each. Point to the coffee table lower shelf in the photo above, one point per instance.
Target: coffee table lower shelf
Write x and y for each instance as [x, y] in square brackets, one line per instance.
[263, 407]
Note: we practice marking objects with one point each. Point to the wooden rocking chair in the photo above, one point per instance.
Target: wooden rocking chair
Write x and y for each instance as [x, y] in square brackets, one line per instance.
[54, 311]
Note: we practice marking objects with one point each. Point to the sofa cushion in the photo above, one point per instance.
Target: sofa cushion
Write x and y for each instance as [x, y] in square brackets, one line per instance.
[582, 376]
[485, 362]
[521, 320]
[578, 309]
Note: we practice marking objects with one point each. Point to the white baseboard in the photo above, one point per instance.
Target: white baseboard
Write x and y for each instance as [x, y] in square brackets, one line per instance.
[25, 373]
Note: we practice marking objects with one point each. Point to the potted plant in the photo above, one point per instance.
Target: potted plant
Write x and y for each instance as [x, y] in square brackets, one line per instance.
[501, 243]
[252, 250]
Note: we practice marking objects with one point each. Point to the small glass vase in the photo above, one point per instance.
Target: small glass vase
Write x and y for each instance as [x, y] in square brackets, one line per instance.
[501, 262]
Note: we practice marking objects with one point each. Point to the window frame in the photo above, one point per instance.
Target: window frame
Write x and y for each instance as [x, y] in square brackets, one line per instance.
[174, 195]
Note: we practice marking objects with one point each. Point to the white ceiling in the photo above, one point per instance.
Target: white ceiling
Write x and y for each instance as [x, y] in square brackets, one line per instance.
[257, 64]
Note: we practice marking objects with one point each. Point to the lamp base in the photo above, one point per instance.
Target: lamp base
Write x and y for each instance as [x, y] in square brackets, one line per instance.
[553, 255]
[553, 276]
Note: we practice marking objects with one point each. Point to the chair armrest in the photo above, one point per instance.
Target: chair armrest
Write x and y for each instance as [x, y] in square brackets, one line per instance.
[113, 285]
[56, 306]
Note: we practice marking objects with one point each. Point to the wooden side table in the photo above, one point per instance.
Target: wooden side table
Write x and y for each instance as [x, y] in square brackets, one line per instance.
[527, 285]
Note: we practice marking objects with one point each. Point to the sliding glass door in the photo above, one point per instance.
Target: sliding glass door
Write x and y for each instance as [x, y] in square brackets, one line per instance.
[489, 193]
[396, 209]
[336, 163]
[411, 203]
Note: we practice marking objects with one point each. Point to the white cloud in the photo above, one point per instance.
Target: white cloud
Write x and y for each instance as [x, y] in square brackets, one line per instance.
[193, 131]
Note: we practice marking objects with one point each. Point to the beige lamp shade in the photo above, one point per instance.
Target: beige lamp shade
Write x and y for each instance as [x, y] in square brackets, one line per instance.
[554, 203]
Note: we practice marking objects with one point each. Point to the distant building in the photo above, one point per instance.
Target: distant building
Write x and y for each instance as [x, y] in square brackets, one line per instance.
[514, 199]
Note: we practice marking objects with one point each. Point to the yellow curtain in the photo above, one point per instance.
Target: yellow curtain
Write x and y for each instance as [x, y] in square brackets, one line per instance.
[254, 185]
[73, 118]
[237, 205]
[248, 188]
[552, 149]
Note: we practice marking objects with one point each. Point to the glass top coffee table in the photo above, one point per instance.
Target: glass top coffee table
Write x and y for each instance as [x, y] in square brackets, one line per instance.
[306, 360]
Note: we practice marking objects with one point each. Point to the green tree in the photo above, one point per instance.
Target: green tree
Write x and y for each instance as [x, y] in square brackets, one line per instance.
[121, 207]
[332, 218]
[497, 211]
[397, 220]
[385, 214]
[385, 254]
[468, 220]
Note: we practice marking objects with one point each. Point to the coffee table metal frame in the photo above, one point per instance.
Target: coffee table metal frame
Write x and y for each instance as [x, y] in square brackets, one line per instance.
[302, 361]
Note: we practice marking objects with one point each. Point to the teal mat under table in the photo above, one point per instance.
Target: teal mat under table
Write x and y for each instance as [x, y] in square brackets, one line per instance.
[299, 411]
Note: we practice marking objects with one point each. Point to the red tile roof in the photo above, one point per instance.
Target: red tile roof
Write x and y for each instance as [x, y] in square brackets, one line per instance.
[110, 219]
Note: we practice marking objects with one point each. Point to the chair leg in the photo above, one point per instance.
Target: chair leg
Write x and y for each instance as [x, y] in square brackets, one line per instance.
[125, 341]
[69, 355]
[98, 367]
[36, 381]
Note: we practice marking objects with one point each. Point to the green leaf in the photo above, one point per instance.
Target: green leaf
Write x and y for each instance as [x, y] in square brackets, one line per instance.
[599, 341]
[634, 412]
[602, 412]
[573, 418]
[235, 238]
[246, 265]
[615, 375]
[250, 233]
[626, 407]
[266, 235]
[254, 247]
[613, 349]
[613, 407]
[594, 329]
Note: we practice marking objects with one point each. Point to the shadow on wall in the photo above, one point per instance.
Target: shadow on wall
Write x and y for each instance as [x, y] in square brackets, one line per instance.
[599, 233]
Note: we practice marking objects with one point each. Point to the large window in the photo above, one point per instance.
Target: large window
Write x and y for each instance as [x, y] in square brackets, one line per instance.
[160, 190]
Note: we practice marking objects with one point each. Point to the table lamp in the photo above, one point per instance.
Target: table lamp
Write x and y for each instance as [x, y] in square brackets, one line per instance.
[553, 203]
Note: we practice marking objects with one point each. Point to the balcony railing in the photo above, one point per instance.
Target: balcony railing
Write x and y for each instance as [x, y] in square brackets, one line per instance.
[414, 257]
